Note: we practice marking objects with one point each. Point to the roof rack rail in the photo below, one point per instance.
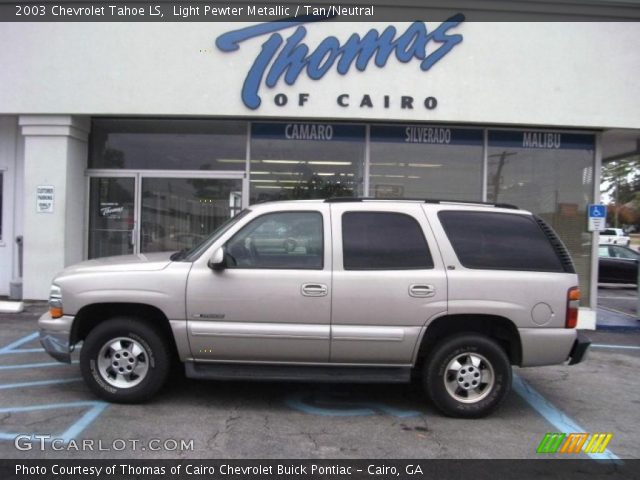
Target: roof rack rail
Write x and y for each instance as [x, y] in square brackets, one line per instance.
[423, 200]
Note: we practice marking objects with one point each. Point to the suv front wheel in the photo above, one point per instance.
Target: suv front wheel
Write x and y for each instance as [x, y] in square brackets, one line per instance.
[467, 375]
[125, 360]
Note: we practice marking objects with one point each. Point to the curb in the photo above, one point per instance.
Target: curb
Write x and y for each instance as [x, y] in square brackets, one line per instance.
[11, 307]
[619, 328]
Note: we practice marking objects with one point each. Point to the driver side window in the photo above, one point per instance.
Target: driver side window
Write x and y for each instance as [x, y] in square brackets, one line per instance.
[284, 240]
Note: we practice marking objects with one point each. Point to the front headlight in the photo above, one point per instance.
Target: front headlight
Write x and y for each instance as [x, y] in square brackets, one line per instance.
[55, 302]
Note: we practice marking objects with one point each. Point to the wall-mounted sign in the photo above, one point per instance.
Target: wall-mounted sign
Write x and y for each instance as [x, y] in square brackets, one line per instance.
[323, 132]
[426, 135]
[541, 140]
[44, 198]
[287, 58]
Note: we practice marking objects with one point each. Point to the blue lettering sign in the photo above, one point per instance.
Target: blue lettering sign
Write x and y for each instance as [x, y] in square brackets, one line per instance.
[541, 140]
[323, 132]
[280, 58]
[428, 135]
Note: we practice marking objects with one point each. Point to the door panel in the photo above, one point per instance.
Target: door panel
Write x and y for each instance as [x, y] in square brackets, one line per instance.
[258, 310]
[378, 313]
[111, 216]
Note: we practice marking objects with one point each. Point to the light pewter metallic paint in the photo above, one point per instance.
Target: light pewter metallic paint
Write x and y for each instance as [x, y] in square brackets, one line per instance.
[328, 316]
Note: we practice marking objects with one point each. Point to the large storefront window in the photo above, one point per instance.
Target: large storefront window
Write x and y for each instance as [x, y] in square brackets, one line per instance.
[168, 144]
[414, 161]
[306, 160]
[179, 213]
[550, 174]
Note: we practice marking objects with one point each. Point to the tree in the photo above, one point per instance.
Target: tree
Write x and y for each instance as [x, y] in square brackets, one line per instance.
[621, 182]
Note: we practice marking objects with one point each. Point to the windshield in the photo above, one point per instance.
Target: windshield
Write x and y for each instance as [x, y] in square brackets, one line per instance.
[194, 252]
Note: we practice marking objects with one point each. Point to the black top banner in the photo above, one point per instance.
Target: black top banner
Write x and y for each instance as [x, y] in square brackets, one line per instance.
[349, 10]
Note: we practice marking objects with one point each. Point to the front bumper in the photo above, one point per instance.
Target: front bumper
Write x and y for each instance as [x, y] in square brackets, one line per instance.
[55, 334]
[579, 350]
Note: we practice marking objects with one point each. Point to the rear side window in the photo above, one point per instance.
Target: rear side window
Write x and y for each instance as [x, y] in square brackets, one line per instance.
[499, 241]
[383, 241]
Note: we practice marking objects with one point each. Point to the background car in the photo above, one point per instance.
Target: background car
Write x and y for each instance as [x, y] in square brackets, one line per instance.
[617, 264]
[614, 236]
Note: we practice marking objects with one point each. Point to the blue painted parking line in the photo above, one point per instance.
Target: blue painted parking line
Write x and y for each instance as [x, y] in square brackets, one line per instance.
[554, 416]
[95, 408]
[37, 383]
[623, 347]
[334, 407]
[34, 365]
[70, 433]
[13, 346]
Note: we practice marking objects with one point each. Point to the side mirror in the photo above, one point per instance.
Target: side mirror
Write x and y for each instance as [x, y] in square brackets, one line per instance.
[217, 262]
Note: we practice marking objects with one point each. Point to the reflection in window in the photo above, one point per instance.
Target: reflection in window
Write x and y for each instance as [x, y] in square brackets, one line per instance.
[426, 162]
[547, 173]
[298, 161]
[288, 240]
[168, 144]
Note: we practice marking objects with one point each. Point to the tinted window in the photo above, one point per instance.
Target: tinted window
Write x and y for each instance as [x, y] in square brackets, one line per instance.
[383, 241]
[286, 240]
[499, 241]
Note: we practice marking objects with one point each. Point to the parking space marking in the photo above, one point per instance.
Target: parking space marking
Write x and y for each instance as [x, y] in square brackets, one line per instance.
[34, 365]
[554, 416]
[344, 407]
[617, 311]
[13, 346]
[602, 345]
[37, 383]
[70, 433]
[96, 407]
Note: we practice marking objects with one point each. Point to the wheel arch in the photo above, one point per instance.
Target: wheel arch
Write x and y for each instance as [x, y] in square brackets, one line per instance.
[90, 316]
[496, 327]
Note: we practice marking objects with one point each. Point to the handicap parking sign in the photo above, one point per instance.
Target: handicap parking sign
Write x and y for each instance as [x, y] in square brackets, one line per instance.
[597, 217]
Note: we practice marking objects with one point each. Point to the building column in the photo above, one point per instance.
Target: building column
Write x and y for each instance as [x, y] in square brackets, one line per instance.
[55, 155]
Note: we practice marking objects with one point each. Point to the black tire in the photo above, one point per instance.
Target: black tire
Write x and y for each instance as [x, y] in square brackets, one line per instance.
[156, 358]
[481, 400]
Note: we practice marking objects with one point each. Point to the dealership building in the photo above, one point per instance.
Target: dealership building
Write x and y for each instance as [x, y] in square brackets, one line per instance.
[128, 138]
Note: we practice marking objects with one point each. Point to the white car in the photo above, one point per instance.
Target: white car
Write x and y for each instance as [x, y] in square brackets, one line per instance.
[614, 236]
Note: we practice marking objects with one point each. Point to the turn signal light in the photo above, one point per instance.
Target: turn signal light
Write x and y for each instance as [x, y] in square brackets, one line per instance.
[573, 303]
[55, 312]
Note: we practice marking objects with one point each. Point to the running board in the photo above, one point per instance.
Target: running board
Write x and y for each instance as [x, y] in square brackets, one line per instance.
[296, 373]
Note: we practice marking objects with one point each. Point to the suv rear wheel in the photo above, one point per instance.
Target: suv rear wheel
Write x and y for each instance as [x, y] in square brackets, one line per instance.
[467, 375]
[124, 360]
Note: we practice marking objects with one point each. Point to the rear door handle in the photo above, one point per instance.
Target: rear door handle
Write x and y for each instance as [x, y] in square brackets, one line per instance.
[314, 290]
[421, 290]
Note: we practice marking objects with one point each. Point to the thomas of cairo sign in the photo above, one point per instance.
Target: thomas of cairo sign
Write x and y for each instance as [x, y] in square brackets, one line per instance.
[287, 59]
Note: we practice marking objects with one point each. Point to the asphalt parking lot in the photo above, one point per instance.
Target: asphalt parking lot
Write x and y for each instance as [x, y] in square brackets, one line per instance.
[39, 396]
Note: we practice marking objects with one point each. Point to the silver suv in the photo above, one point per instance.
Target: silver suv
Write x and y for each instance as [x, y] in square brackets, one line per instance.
[338, 290]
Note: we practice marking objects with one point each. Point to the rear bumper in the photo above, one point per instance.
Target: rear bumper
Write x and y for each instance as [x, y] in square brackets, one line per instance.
[55, 336]
[579, 349]
[552, 346]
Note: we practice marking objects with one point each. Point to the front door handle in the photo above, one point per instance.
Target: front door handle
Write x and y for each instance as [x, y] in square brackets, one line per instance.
[314, 290]
[422, 290]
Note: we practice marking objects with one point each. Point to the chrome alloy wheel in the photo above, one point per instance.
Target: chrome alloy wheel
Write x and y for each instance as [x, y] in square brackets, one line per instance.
[469, 377]
[123, 362]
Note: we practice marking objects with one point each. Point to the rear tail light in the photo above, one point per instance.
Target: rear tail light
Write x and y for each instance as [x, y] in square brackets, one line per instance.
[573, 303]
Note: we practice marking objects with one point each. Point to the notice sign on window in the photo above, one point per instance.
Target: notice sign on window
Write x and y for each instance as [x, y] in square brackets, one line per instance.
[44, 199]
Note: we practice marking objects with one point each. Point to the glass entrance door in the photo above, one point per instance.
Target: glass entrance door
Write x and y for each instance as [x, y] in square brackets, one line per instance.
[148, 212]
[111, 216]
